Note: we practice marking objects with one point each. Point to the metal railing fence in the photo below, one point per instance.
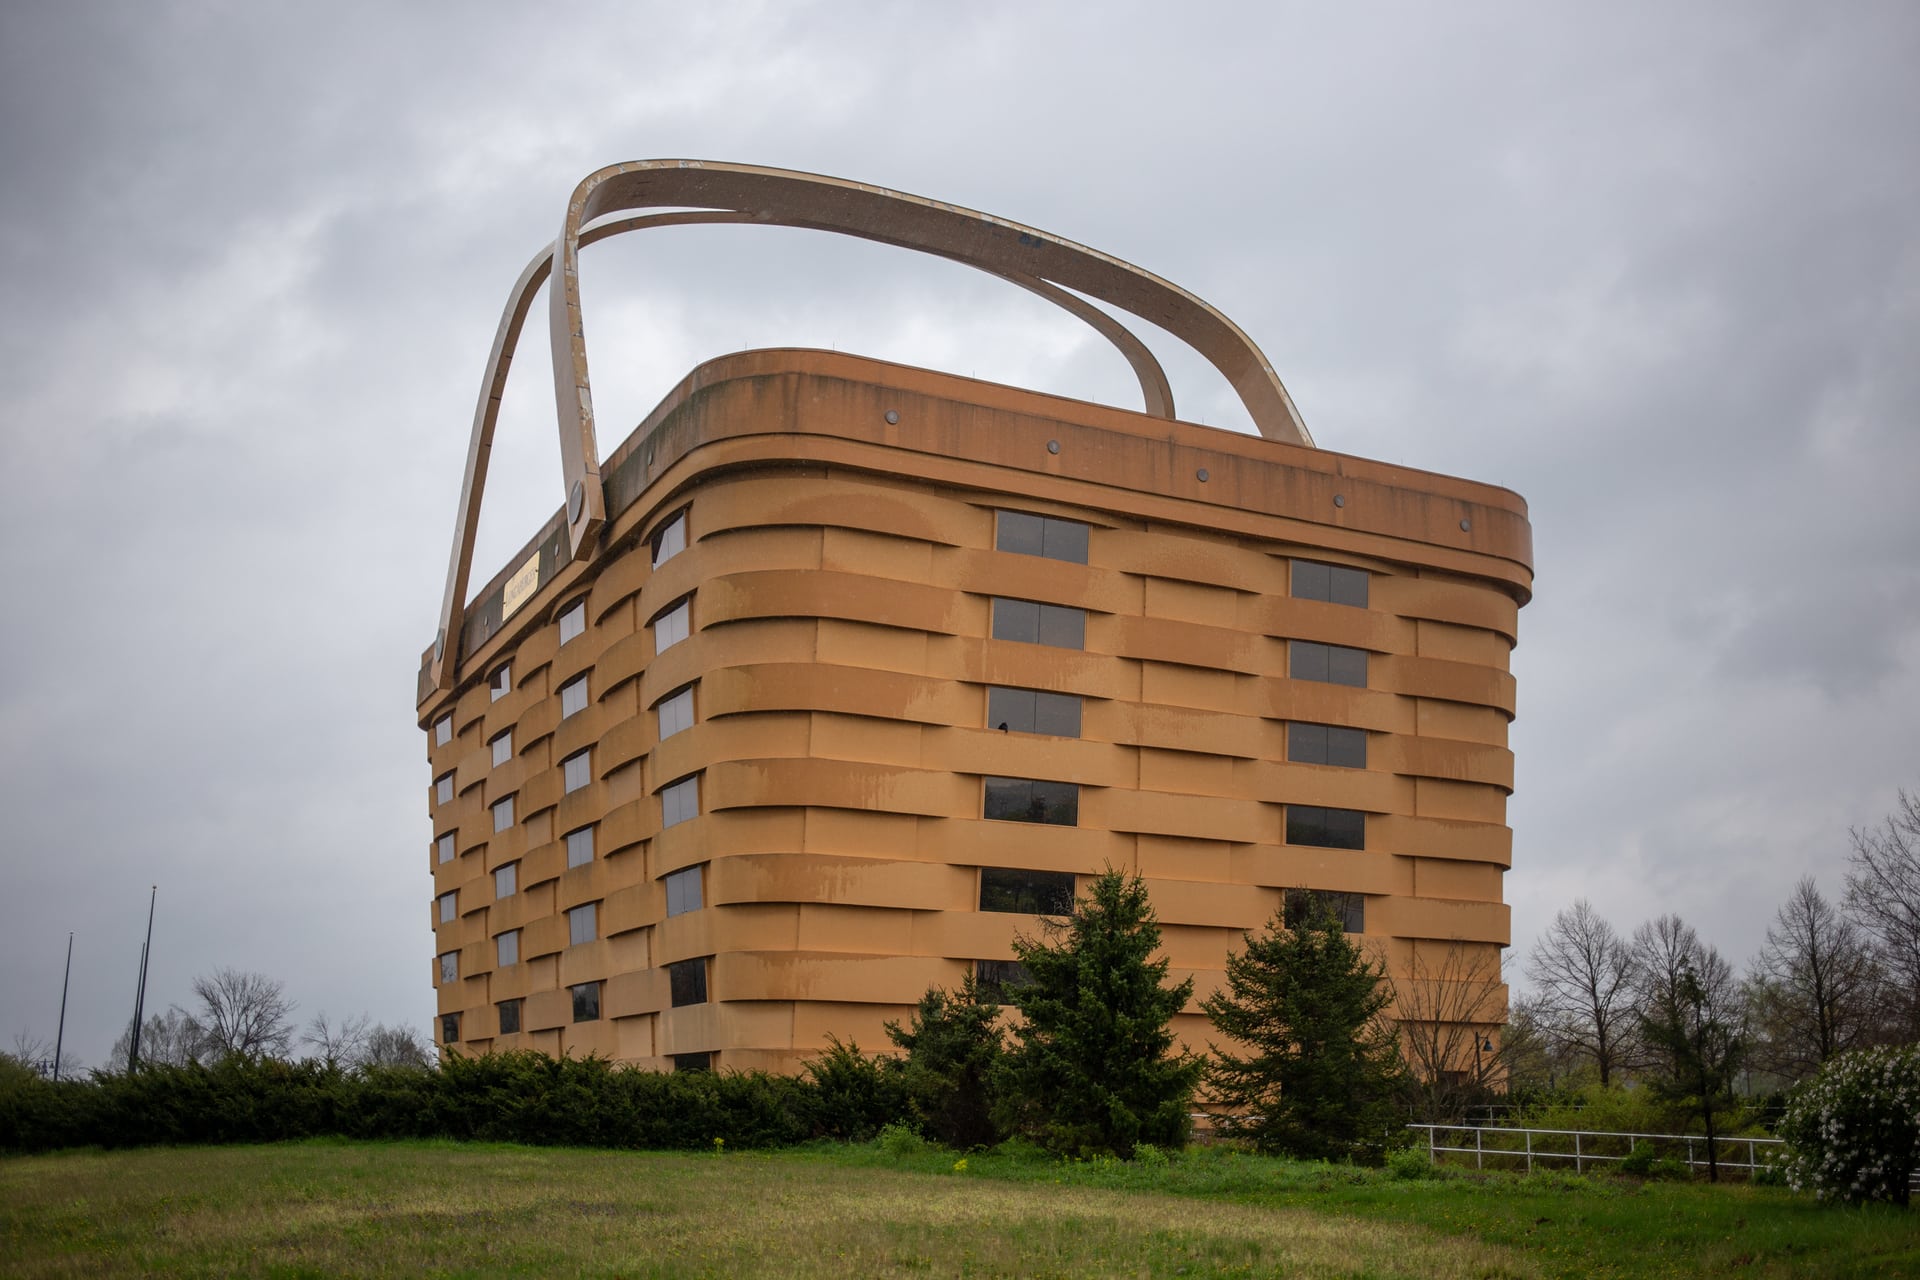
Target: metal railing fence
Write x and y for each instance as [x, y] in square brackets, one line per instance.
[1511, 1148]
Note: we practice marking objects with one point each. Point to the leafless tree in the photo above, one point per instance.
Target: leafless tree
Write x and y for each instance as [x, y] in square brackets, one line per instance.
[1581, 971]
[1695, 1027]
[170, 1039]
[396, 1047]
[36, 1055]
[1811, 988]
[1662, 950]
[243, 1013]
[1449, 1003]
[343, 1045]
[1883, 894]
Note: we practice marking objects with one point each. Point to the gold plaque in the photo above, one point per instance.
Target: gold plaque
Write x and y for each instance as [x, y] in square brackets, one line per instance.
[520, 587]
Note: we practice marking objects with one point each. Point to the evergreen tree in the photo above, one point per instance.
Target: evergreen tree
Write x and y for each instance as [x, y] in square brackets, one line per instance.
[953, 1049]
[1092, 1071]
[1324, 1067]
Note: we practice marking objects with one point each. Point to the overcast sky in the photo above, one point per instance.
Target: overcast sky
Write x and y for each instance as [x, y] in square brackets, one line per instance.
[1656, 267]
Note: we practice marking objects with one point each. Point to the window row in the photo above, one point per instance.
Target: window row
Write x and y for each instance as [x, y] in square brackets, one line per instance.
[1030, 622]
[1333, 583]
[1033, 711]
[1031, 535]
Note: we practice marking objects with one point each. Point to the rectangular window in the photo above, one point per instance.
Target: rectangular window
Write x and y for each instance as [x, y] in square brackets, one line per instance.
[1333, 583]
[673, 626]
[1034, 893]
[506, 948]
[1031, 622]
[500, 683]
[1049, 536]
[680, 801]
[1326, 744]
[676, 712]
[582, 924]
[1033, 711]
[577, 769]
[503, 813]
[573, 621]
[449, 907]
[449, 967]
[573, 697]
[450, 1028]
[1326, 828]
[994, 978]
[693, 1062]
[671, 540]
[443, 789]
[445, 846]
[1304, 906]
[1332, 663]
[502, 748]
[506, 880]
[443, 731]
[1030, 800]
[509, 1016]
[683, 891]
[586, 1002]
[580, 847]
[688, 982]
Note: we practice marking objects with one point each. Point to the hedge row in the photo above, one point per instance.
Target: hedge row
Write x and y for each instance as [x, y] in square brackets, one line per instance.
[508, 1097]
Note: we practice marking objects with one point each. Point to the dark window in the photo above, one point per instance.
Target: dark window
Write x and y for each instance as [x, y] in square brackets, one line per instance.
[509, 1016]
[1034, 711]
[1032, 535]
[693, 1062]
[1333, 663]
[688, 981]
[586, 1002]
[1326, 828]
[1333, 583]
[1327, 744]
[449, 1028]
[994, 978]
[1304, 906]
[1031, 622]
[1034, 893]
[1029, 800]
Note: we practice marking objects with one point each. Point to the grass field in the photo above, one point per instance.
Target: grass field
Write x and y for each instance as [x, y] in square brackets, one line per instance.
[443, 1209]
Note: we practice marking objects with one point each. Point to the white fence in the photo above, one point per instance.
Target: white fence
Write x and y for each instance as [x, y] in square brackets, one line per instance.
[1503, 1148]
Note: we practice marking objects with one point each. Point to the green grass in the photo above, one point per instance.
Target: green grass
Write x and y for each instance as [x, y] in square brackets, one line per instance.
[443, 1209]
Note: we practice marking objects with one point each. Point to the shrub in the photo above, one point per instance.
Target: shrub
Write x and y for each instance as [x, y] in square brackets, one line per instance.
[953, 1049]
[1853, 1131]
[1410, 1164]
[854, 1094]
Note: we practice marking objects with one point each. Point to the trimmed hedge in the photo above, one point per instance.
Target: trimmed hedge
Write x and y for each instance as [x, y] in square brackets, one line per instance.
[521, 1097]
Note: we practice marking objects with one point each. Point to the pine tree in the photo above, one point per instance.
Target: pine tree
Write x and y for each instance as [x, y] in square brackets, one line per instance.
[1324, 1067]
[1092, 1071]
[953, 1050]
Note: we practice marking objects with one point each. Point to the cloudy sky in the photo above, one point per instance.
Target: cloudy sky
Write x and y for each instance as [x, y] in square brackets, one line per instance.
[1656, 267]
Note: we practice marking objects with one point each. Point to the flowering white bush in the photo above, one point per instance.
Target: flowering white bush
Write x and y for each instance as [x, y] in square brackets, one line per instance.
[1853, 1131]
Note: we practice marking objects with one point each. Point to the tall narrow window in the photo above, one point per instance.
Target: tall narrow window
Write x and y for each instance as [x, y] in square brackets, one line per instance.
[671, 540]
[509, 1016]
[580, 847]
[577, 770]
[503, 813]
[676, 712]
[443, 789]
[1034, 623]
[502, 748]
[673, 626]
[1033, 711]
[1048, 536]
[506, 948]
[1039, 893]
[445, 846]
[583, 924]
[573, 697]
[450, 1028]
[1333, 583]
[687, 981]
[443, 731]
[449, 906]
[506, 880]
[586, 1002]
[680, 801]
[1326, 744]
[683, 891]
[449, 967]
[1326, 828]
[1332, 663]
[573, 621]
[1031, 800]
[500, 683]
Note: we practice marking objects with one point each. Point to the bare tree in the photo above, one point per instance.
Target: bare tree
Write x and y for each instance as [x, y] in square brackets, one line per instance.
[1662, 948]
[1449, 1005]
[243, 1013]
[36, 1055]
[170, 1039]
[1811, 988]
[1582, 972]
[1883, 894]
[1696, 1028]
[396, 1047]
[343, 1045]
